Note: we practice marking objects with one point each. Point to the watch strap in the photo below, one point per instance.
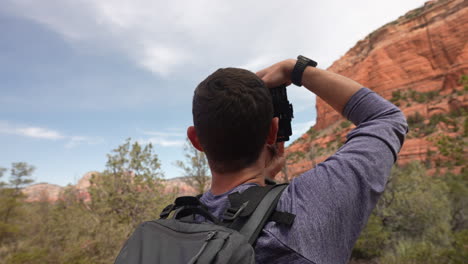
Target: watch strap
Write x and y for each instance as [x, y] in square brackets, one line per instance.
[301, 63]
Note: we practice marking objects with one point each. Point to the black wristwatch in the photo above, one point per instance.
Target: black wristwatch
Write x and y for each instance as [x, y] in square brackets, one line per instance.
[298, 71]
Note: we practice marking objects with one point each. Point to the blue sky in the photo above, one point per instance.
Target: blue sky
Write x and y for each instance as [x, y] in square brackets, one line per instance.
[79, 77]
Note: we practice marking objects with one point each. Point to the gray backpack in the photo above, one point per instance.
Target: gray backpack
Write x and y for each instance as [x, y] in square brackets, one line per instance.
[193, 235]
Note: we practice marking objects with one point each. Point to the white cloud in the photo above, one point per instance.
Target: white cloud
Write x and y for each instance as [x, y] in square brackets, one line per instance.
[74, 141]
[163, 36]
[176, 133]
[300, 128]
[163, 142]
[181, 42]
[33, 132]
[45, 133]
[38, 132]
[165, 139]
[258, 63]
[162, 59]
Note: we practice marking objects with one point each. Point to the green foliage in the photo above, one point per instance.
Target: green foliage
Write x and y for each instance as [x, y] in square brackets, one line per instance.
[458, 197]
[464, 81]
[415, 120]
[312, 133]
[196, 170]
[296, 156]
[413, 96]
[420, 126]
[11, 199]
[373, 241]
[345, 124]
[414, 13]
[396, 96]
[422, 97]
[413, 220]
[415, 205]
[419, 218]
[458, 253]
[2, 171]
[453, 148]
[75, 230]
[465, 127]
[20, 174]
[414, 252]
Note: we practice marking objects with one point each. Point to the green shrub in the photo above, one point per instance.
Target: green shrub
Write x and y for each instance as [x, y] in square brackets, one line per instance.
[345, 124]
[415, 119]
[411, 222]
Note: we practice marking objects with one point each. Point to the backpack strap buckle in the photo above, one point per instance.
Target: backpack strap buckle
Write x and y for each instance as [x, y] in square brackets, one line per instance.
[284, 218]
[232, 213]
[166, 211]
[183, 201]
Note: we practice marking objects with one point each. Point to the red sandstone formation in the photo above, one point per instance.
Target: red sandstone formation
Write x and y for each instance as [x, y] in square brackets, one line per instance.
[179, 186]
[51, 192]
[42, 192]
[425, 50]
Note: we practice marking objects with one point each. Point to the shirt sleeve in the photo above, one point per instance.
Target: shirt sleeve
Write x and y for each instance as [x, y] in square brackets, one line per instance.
[333, 201]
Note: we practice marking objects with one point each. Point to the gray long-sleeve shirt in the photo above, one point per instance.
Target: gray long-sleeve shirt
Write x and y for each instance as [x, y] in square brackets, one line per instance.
[333, 201]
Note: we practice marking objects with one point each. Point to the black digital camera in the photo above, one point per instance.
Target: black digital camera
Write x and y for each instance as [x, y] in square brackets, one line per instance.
[283, 110]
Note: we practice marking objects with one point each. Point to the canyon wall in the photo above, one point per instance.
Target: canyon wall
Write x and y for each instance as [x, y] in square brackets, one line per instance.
[417, 62]
[425, 50]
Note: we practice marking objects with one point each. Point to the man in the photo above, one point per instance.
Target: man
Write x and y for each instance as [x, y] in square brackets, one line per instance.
[233, 125]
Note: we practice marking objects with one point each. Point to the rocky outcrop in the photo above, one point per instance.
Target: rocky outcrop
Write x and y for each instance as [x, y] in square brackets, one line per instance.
[425, 50]
[416, 62]
[42, 192]
[51, 192]
[179, 186]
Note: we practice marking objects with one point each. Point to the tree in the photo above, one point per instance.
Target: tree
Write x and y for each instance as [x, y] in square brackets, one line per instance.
[411, 222]
[77, 230]
[127, 193]
[458, 190]
[196, 170]
[21, 174]
[2, 171]
[130, 187]
[11, 197]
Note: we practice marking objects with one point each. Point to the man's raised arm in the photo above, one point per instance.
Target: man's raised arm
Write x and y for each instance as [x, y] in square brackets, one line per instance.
[333, 201]
[333, 88]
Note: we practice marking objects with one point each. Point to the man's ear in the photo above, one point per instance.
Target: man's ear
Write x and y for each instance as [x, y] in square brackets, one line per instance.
[192, 135]
[273, 131]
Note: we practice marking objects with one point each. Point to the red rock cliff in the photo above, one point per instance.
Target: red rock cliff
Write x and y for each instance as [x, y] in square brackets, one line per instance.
[416, 62]
[425, 50]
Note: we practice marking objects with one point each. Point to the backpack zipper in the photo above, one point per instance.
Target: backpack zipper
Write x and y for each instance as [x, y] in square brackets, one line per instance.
[209, 237]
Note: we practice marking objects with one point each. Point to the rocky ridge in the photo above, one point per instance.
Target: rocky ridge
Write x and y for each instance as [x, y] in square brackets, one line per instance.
[45, 192]
[418, 62]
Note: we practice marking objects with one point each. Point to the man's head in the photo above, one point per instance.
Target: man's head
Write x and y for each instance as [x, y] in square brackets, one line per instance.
[232, 115]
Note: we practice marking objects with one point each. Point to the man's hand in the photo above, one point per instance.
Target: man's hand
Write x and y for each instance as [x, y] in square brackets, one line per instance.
[277, 74]
[276, 160]
[333, 88]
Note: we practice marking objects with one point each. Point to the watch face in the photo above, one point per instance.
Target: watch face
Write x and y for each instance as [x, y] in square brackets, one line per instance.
[300, 57]
[307, 61]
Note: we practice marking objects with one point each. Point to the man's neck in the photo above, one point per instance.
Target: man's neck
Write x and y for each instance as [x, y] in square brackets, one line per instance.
[223, 182]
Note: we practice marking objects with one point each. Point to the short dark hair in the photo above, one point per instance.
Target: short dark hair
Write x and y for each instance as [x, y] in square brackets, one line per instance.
[232, 113]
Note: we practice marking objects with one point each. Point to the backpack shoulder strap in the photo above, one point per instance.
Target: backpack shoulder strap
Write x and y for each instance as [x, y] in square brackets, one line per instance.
[254, 225]
[186, 206]
[251, 209]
